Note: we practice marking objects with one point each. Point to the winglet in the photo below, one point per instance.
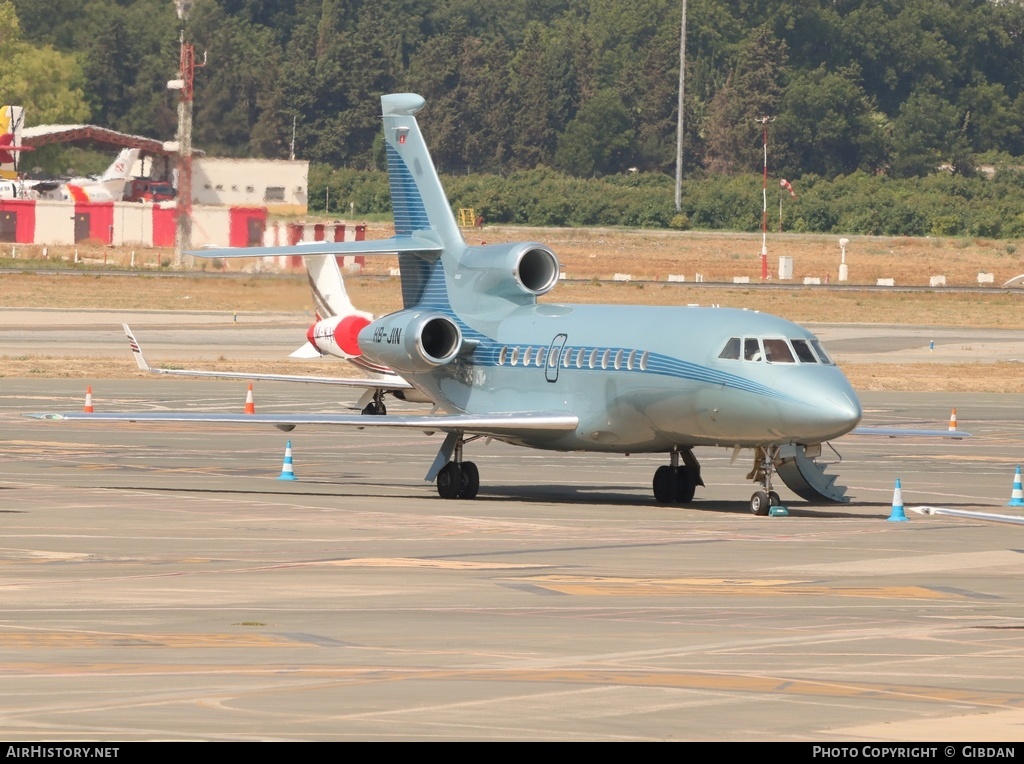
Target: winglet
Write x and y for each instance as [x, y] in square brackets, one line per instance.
[136, 350]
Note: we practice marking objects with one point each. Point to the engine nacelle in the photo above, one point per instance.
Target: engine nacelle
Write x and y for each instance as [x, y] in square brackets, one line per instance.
[520, 271]
[411, 340]
[338, 335]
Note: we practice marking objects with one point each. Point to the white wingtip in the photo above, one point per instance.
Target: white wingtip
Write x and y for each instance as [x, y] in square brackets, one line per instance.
[136, 350]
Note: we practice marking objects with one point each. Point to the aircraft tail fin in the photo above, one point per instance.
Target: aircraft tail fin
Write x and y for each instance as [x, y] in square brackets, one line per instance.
[11, 119]
[330, 299]
[121, 167]
[421, 208]
[426, 232]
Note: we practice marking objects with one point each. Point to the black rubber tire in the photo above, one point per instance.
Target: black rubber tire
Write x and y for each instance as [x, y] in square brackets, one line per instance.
[665, 485]
[686, 485]
[760, 504]
[470, 481]
[449, 481]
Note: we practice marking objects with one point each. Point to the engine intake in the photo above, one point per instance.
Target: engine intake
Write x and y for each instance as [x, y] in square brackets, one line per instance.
[513, 271]
[411, 340]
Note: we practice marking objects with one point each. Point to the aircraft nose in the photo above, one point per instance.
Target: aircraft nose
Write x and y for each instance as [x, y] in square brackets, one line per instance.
[822, 411]
[840, 412]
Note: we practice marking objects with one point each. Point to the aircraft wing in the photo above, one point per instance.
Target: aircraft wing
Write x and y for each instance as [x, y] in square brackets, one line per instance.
[393, 383]
[987, 516]
[498, 425]
[901, 432]
[382, 382]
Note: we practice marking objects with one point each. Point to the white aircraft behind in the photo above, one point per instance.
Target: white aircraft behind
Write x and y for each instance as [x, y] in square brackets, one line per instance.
[473, 339]
[110, 186]
[334, 333]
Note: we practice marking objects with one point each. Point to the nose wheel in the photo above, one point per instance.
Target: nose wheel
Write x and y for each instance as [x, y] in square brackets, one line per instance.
[763, 500]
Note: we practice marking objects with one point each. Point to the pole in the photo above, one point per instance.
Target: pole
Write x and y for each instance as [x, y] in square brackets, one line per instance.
[183, 223]
[679, 119]
[764, 199]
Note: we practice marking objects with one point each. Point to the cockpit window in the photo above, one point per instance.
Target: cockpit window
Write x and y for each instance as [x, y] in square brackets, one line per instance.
[803, 351]
[752, 349]
[776, 350]
[816, 344]
[731, 351]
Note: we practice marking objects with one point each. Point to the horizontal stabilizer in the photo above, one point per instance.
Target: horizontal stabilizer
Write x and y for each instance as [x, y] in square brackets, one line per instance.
[306, 351]
[391, 246]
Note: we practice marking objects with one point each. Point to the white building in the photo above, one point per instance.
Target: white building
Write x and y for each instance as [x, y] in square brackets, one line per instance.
[279, 185]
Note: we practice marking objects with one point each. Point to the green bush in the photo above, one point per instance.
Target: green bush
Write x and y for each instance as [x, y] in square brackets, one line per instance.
[860, 203]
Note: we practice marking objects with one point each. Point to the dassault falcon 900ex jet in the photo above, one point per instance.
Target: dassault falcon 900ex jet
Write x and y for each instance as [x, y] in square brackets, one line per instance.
[473, 339]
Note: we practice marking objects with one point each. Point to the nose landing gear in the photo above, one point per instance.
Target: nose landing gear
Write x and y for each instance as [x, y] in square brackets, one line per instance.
[763, 500]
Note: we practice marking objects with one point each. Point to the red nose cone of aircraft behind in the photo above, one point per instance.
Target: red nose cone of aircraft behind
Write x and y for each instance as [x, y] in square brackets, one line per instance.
[346, 334]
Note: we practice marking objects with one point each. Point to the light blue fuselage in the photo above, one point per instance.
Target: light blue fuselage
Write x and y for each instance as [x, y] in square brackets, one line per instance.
[640, 378]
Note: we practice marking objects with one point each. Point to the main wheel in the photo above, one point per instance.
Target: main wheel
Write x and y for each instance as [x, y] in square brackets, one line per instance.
[760, 503]
[665, 485]
[470, 481]
[686, 485]
[449, 481]
[375, 408]
[774, 499]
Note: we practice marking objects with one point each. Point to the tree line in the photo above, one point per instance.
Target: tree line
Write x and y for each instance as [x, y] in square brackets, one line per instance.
[893, 89]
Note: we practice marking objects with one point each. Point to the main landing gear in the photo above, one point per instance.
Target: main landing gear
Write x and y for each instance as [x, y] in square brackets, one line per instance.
[458, 479]
[763, 500]
[376, 407]
[676, 483]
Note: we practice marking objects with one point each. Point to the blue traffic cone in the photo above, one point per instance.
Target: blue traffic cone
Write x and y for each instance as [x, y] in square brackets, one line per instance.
[287, 473]
[1017, 496]
[898, 515]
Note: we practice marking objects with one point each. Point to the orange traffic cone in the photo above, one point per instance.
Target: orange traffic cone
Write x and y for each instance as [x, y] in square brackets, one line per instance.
[952, 421]
[88, 400]
[250, 407]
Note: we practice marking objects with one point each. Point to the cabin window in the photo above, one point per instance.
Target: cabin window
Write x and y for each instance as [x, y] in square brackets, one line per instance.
[527, 356]
[515, 356]
[618, 360]
[777, 351]
[579, 358]
[604, 358]
[731, 351]
[566, 357]
[643, 361]
[541, 355]
[816, 344]
[803, 351]
[630, 359]
[502, 354]
[752, 349]
[592, 361]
